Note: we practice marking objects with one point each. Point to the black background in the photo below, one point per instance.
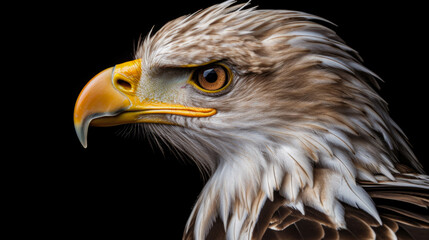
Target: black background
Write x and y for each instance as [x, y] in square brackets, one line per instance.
[119, 186]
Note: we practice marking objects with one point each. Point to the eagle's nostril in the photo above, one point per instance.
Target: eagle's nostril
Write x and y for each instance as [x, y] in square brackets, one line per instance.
[123, 85]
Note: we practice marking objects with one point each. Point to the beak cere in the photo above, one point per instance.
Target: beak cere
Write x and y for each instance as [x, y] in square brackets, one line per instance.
[110, 99]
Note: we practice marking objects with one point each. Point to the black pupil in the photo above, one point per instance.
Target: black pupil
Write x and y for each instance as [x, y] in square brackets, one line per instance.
[210, 75]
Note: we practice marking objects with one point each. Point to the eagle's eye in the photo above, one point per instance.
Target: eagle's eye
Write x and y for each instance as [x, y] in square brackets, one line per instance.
[212, 78]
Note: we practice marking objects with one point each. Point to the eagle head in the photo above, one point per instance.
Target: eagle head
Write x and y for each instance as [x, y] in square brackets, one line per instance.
[267, 102]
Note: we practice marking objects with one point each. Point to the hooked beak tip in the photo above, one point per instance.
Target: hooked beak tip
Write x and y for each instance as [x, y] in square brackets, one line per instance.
[82, 133]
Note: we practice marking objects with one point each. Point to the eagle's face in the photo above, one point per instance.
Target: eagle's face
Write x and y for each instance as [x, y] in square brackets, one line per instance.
[227, 76]
[266, 96]
[214, 80]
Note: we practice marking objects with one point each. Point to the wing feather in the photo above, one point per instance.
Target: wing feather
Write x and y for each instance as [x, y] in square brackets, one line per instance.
[403, 209]
[330, 233]
[359, 229]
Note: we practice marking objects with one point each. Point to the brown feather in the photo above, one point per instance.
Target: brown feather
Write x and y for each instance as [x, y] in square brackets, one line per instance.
[346, 235]
[359, 229]
[403, 220]
[266, 215]
[279, 216]
[401, 234]
[384, 233]
[289, 233]
[421, 219]
[407, 206]
[421, 201]
[391, 224]
[287, 222]
[415, 233]
[309, 230]
[217, 231]
[330, 234]
[359, 214]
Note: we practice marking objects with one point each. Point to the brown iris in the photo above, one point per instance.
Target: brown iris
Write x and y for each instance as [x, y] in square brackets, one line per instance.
[212, 78]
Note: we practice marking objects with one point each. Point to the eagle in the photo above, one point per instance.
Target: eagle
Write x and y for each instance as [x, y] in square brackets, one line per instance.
[281, 115]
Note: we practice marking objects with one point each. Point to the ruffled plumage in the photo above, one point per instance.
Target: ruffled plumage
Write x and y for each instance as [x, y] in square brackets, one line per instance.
[302, 146]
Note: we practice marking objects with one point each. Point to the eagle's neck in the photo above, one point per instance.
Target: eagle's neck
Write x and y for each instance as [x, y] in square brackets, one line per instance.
[250, 176]
[232, 199]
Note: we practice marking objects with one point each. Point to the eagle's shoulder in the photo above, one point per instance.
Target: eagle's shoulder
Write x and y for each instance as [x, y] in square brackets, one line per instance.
[403, 209]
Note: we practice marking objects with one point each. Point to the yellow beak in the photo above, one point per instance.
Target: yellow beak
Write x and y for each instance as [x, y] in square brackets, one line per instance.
[110, 99]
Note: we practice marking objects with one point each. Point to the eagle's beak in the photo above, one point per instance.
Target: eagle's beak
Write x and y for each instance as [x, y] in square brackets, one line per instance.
[110, 99]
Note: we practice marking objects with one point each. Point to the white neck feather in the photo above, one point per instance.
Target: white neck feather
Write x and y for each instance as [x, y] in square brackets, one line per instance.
[315, 173]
